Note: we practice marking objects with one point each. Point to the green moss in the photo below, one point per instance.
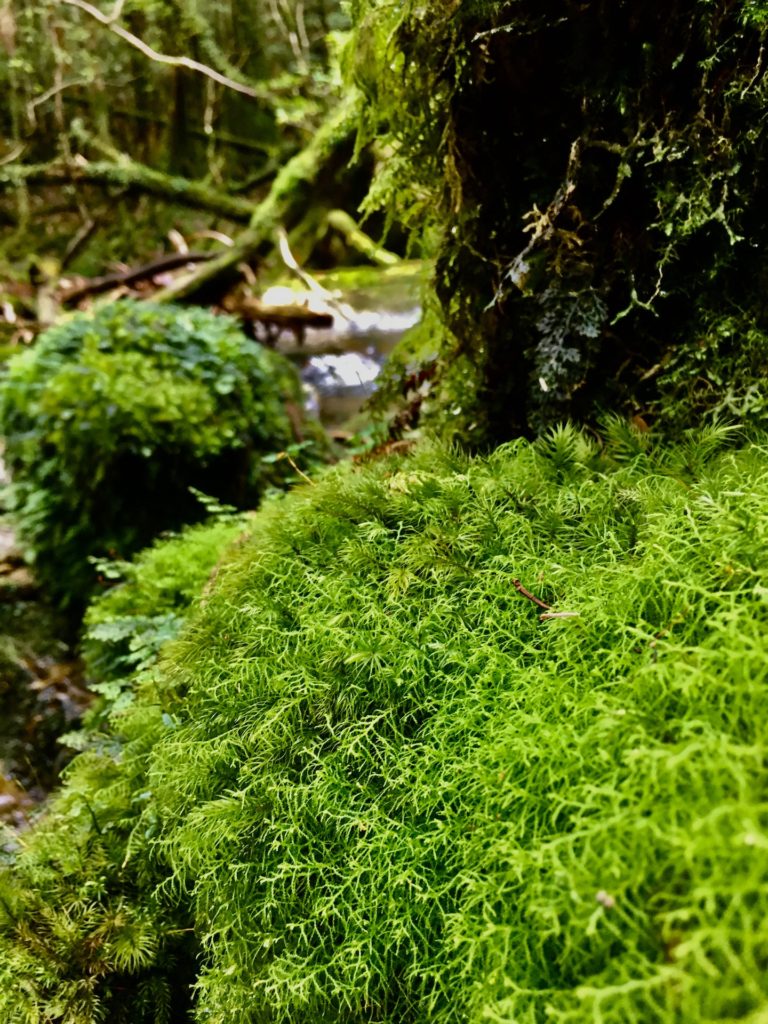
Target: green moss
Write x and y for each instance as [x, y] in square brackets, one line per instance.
[126, 628]
[111, 418]
[380, 787]
[78, 915]
[589, 179]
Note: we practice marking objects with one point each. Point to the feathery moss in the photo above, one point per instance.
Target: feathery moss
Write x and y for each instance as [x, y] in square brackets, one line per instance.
[385, 786]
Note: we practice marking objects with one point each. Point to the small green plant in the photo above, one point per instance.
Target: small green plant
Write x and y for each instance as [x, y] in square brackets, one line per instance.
[111, 418]
[126, 628]
[721, 374]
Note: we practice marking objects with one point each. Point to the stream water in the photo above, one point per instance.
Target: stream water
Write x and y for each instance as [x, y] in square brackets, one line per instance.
[371, 310]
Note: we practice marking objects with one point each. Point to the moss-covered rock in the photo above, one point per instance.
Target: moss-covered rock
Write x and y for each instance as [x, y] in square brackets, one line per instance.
[111, 418]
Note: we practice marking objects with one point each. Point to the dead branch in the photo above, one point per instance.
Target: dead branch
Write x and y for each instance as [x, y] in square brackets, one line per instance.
[99, 285]
[274, 319]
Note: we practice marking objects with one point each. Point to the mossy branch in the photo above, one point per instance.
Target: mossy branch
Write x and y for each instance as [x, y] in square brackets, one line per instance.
[284, 206]
[358, 240]
[132, 175]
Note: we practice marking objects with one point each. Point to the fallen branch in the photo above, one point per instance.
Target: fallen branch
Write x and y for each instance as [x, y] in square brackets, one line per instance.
[285, 204]
[292, 263]
[128, 174]
[294, 318]
[99, 285]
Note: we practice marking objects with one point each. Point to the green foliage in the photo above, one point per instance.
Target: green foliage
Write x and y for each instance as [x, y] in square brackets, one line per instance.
[79, 920]
[719, 374]
[111, 419]
[126, 628]
[381, 784]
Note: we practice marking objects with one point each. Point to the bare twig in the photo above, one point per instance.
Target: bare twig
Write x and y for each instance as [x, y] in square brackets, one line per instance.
[292, 263]
[531, 597]
[13, 155]
[99, 285]
[545, 616]
[162, 58]
[78, 240]
[47, 95]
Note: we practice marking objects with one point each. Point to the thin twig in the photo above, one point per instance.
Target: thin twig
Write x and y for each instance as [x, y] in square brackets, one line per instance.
[301, 472]
[47, 95]
[163, 58]
[531, 597]
[314, 286]
[13, 155]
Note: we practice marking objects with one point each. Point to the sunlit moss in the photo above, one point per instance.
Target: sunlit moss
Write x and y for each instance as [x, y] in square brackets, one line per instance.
[379, 782]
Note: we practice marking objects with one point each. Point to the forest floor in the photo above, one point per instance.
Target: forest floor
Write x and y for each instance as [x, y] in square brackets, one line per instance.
[42, 692]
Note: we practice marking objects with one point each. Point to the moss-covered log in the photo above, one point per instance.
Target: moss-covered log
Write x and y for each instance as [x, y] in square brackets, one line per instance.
[305, 178]
[128, 174]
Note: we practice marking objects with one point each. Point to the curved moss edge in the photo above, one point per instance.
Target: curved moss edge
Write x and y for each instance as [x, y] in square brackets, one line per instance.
[379, 786]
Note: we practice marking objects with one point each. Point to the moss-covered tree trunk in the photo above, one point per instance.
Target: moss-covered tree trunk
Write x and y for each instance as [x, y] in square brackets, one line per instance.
[603, 171]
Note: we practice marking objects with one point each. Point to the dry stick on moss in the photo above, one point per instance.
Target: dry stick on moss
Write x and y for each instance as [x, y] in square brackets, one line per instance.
[164, 58]
[531, 597]
[284, 206]
[548, 613]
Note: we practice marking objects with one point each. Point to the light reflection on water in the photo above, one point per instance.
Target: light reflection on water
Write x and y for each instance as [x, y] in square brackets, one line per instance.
[339, 381]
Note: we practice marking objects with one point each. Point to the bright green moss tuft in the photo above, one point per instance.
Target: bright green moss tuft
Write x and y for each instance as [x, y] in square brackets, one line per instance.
[379, 787]
[413, 800]
[111, 418]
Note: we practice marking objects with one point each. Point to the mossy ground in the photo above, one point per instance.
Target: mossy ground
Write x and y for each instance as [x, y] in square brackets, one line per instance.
[380, 787]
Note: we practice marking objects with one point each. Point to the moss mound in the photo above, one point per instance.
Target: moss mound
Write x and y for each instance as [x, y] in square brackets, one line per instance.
[111, 418]
[382, 784]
